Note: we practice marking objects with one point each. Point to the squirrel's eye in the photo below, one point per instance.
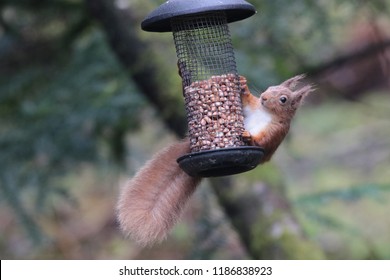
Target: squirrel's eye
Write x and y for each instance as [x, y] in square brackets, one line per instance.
[283, 99]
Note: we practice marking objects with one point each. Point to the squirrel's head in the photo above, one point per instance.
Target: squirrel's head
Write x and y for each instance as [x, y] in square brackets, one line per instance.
[283, 100]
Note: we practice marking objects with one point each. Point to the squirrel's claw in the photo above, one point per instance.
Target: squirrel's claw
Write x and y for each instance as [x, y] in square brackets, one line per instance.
[244, 86]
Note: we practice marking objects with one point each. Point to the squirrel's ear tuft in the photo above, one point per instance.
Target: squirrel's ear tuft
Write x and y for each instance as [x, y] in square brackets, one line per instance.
[303, 92]
[292, 82]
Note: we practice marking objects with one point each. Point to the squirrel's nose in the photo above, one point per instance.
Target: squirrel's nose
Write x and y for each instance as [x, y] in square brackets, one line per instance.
[263, 98]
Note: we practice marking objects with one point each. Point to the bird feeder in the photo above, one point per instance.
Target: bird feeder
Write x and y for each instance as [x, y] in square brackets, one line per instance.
[211, 86]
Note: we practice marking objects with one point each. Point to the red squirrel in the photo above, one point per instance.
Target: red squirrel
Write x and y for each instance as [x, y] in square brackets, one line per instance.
[151, 202]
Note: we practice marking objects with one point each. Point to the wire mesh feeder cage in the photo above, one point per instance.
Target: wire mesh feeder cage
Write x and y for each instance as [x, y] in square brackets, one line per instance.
[211, 84]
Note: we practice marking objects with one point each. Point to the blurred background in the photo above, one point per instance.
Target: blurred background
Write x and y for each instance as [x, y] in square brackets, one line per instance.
[86, 97]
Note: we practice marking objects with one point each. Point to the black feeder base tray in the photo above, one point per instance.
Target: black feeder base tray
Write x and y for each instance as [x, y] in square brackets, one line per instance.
[221, 162]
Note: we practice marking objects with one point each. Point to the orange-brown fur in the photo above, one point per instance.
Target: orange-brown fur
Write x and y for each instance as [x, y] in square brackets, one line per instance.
[273, 134]
[150, 204]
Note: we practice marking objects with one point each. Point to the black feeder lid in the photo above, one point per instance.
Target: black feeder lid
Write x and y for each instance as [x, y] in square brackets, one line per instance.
[159, 20]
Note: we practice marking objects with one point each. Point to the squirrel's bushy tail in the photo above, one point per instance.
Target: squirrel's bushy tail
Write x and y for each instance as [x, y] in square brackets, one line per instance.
[150, 204]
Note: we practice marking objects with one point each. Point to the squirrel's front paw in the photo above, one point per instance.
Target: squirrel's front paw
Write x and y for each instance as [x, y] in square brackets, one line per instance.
[244, 86]
[246, 136]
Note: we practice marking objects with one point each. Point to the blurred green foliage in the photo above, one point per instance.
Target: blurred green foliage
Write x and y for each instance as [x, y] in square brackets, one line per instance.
[66, 100]
[287, 37]
[70, 104]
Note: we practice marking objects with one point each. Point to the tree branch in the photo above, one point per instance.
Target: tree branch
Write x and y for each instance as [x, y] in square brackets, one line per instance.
[348, 58]
[139, 60]
[263, 218]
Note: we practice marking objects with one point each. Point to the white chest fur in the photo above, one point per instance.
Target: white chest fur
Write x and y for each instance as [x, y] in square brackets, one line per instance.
[256, 120]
